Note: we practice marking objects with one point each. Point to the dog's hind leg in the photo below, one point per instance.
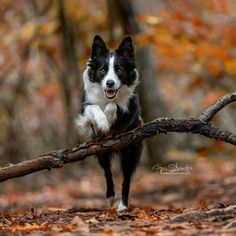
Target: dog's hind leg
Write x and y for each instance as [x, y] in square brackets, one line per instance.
[129, 159]
[104, 161]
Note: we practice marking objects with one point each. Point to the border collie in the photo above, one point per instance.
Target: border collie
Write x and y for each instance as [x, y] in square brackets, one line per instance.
[110, 106]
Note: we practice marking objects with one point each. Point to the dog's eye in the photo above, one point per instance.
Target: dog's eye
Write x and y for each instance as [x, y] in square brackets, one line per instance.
[102, 71]
[119, 70]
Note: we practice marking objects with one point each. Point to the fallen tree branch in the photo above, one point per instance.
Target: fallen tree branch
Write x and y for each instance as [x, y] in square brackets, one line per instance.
[212, 215]
[58, 159]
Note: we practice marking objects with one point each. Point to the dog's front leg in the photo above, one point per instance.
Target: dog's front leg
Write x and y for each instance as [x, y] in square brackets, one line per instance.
[111, 113]
[98, 119]
[92, 122]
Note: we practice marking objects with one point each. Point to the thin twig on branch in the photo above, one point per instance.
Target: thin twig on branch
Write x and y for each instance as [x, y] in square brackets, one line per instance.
[209, 113]
[58, 159]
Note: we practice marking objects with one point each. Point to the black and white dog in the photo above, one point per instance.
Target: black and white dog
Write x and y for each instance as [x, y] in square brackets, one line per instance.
[110, 106]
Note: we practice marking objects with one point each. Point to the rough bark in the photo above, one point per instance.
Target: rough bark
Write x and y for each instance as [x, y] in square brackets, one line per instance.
[164, 125]
[207, 115]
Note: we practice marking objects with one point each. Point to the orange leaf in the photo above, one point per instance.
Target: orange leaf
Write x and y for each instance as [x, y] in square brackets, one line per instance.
[151, 20]
[179, 16]
[203, 152]
[230, 66]
[214, 68]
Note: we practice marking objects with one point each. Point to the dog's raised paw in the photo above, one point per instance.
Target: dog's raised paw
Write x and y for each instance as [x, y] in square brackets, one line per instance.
[110, 112]
[102, 124]
[99, 120]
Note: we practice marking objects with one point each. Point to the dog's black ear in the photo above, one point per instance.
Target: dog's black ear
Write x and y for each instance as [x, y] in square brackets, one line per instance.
[126, 49]
[99, 47]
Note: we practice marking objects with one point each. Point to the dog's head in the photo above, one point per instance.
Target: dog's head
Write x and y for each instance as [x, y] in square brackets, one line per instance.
[115, 72]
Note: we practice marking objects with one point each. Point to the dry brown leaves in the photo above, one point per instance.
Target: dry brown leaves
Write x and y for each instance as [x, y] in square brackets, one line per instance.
[158, 200]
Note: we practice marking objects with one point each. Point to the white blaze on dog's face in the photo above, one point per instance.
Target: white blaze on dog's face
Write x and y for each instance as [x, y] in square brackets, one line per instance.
[111, 77]
[111, 83]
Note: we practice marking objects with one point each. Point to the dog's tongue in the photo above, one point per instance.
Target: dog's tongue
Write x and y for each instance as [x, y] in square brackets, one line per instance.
[110, 93]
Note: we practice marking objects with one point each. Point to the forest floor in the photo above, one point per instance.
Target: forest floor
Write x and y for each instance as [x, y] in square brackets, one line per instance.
[198, 198]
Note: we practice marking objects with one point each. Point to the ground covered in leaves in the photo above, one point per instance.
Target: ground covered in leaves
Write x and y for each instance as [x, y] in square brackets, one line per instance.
[197, 200]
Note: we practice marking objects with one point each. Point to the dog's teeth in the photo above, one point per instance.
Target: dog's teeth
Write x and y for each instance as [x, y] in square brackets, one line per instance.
[110, 93]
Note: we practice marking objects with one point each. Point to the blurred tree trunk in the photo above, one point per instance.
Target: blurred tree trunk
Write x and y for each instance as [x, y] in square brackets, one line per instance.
[14, 145]
[150, 97]
[69, 76]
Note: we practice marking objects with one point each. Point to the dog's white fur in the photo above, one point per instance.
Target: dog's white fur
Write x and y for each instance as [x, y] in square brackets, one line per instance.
[121, 206]
[111, 75]
[110, 112]
[100, 116]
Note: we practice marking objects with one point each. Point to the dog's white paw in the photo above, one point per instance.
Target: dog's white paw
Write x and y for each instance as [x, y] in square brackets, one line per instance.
[97, 118]
[111, 201]
[121, 207]
[111, 113]
[102, 123]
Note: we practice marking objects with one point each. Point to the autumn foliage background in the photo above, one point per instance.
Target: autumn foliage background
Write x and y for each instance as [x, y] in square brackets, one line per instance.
[44, 49]
[186, 51]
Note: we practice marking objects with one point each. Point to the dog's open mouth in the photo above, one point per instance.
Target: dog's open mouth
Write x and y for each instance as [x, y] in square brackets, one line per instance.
[110, 93]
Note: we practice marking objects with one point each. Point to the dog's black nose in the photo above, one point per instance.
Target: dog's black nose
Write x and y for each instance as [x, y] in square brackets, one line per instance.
[110, 83]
